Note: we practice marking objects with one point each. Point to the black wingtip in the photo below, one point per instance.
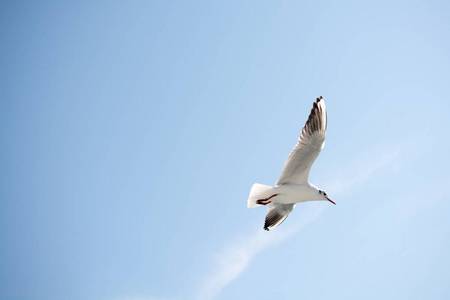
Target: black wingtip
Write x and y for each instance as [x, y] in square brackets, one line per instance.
[265, 228]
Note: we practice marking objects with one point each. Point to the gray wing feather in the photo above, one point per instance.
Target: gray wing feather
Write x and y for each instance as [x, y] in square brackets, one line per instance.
[312, 139]
[276, 214]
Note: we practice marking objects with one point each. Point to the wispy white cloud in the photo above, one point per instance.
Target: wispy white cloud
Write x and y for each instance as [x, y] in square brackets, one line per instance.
[364, 166]
[232, 260]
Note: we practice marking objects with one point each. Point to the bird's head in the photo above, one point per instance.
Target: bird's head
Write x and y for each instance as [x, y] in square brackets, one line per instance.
[324, 196]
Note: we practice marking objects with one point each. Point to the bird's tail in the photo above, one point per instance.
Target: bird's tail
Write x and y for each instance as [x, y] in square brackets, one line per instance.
[259, 191]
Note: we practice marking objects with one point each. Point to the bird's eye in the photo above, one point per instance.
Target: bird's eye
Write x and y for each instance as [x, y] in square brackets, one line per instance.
[324, 193]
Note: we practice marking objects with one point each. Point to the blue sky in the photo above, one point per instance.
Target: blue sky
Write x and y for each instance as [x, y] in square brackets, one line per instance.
[131, 133]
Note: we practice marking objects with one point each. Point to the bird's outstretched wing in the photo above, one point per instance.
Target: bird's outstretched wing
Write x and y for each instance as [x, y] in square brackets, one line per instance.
[276, 214]
[312, 139]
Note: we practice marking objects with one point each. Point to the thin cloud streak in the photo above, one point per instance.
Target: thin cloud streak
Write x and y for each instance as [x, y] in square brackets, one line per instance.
[235, 258]
[364, 172]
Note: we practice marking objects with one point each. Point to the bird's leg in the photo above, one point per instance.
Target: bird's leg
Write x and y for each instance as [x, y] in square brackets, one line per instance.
[261, 201]
[265, 201]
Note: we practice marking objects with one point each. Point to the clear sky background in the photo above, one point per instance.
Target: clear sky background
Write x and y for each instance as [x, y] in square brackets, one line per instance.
[132, 131]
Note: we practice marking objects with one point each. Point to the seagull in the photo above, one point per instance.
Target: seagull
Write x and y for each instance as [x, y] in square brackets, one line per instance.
[293, 186]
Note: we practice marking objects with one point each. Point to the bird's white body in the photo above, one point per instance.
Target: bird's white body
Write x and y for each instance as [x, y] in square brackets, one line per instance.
[294, 193]
[292, 186]
[285, 194]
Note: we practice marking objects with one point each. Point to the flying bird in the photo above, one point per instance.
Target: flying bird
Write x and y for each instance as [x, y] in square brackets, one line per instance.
[293, 186]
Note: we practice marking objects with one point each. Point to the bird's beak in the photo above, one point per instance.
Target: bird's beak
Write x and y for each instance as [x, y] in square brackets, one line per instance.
[331, 201]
